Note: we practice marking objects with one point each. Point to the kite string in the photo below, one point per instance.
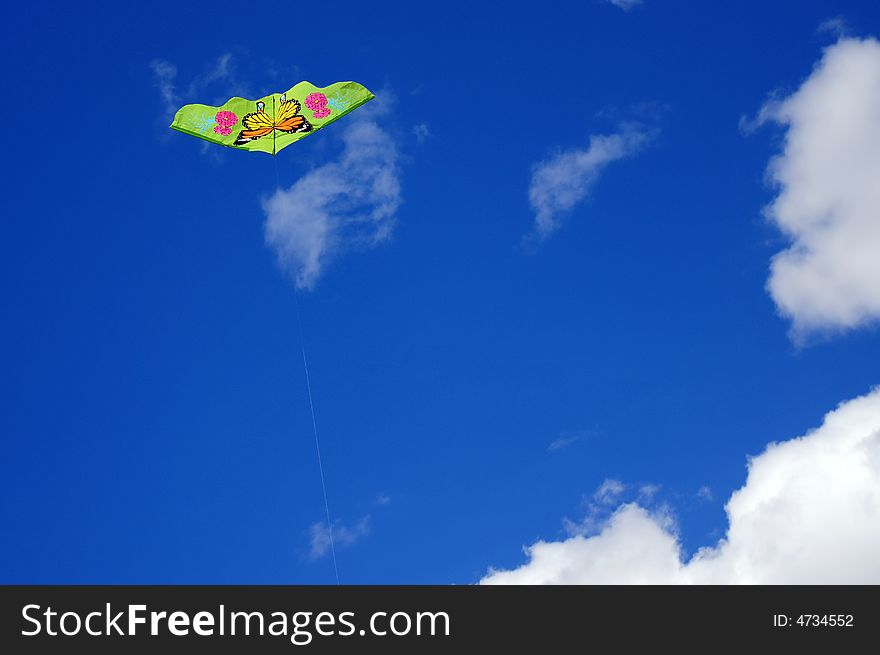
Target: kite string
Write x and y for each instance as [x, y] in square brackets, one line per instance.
[317, 444]
[302, 343]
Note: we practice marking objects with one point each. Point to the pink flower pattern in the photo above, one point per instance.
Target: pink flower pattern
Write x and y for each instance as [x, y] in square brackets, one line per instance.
[317, 102]
[225, 120]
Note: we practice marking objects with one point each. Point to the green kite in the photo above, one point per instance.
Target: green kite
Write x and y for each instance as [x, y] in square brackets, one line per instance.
[273, 122]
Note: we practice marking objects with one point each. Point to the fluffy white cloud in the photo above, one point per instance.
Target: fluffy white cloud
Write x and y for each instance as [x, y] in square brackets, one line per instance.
[828, 205]
[349, 203]
[564, 180]
[633, 548]
[343, 536]
[809, 513]
[626, 5]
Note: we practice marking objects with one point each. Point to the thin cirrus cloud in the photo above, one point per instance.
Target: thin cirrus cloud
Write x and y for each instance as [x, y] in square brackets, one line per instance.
[566, 439]
[807, 514]
[626, 5]
[836, 27]
[609, 491]
[563, 181]
[343, 536]
[705, 493]
[421, 132]
[561, 443]
[219, 76]
[828, 202]
[570, 438]
[347, 204]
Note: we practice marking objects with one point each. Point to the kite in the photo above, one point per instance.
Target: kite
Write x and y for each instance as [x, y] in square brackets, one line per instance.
[273, 122]
[270, 124]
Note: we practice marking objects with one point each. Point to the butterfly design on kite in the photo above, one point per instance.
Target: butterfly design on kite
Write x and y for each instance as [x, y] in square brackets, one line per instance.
[258, 124]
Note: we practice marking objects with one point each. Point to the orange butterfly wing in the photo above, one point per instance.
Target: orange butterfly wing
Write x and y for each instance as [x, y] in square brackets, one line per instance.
[293, 124]
[288, 118]
[252, 135]
[256, 125]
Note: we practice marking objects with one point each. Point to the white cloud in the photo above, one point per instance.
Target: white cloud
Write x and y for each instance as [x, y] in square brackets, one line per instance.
[633, 548]
[828, 205]
[343, 536]
[349, 203]
[564, 180]
[626, 5]
[809, 513]
[605, 500]
[705, 493]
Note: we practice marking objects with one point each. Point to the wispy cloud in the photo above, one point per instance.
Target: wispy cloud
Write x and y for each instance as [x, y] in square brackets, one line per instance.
[343, 536]
[421, 132]
[222, 70]
[346, 204]
[559, 183]
[566, 439]
[836, 27]
[705, 493]
[214, 85]
[828, 201]
[165, 74]
[647, 493]
[561, 443]
[609, 491]
[626, 5]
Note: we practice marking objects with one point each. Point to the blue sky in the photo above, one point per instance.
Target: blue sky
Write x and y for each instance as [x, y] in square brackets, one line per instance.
[155, 420]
